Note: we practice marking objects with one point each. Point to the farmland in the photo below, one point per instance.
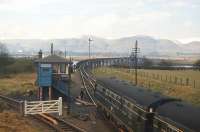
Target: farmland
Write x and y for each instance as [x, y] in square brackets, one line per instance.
[183, 84]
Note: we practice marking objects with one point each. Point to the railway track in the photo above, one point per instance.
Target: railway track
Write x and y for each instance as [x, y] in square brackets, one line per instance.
[104, 94]
[88, 84]
[57, 124]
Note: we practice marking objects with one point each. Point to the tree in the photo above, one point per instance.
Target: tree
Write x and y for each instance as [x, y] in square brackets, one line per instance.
[147, 63]
[165, 64]
[5, 59]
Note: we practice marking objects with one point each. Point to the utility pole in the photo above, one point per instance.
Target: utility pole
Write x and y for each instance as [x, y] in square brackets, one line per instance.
[51, 48]
[65, 53]
[89, 40]
[134, 54]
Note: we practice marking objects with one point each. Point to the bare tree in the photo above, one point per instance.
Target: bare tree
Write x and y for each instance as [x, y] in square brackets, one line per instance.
[5, 59]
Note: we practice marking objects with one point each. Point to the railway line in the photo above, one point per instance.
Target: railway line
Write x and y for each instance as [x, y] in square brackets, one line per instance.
[56, 124]
[134, 109]
[88, 84]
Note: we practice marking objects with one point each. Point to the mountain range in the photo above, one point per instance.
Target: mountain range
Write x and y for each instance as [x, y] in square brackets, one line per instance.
[147, 45]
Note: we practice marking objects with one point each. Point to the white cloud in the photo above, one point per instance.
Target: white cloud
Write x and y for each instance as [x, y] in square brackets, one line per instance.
[104, 18]
[188, 40]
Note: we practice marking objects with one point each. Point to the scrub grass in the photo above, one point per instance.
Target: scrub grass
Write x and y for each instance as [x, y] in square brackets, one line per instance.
[17, 83]
[183, 84]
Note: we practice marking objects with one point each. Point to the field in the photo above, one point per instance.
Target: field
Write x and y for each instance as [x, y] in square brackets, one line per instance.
[17, 83]
[183, 84]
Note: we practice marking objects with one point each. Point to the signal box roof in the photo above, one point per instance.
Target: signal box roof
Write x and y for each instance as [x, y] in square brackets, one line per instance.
[53, 59]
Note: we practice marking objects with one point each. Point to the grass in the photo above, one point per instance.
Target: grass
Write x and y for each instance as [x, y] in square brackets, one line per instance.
[17, 83]
[13, 122]
[181, 85]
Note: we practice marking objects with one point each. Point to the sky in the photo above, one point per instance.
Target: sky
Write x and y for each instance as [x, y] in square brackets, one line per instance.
[46, 19]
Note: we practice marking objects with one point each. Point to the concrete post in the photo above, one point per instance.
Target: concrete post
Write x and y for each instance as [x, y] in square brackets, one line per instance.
[38, 93]
[50, 93]
[41, 93]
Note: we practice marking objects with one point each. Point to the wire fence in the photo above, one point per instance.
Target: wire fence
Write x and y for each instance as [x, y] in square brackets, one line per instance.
[157, 78]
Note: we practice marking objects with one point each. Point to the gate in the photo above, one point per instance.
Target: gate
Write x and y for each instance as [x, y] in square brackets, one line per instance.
[38, 107]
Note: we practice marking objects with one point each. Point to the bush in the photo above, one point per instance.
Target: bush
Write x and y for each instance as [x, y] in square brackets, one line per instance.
[147, 63]
[21, 65]
[5, 59]
[197, 64]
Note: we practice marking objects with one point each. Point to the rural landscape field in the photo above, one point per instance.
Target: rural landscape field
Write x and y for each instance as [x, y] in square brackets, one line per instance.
[183, 84]
[99, 65]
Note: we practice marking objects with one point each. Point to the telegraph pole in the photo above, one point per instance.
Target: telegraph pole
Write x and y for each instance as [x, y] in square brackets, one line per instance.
[136, 62]
[89, 40]
[135, 52]
[65, 53]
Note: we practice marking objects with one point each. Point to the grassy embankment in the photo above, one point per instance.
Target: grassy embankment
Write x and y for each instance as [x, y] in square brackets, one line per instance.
[183, 84]
[15, 80]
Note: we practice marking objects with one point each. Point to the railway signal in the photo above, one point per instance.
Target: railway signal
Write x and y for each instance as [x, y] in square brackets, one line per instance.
[89, 40]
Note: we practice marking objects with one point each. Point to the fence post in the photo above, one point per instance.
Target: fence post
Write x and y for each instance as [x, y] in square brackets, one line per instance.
[187, 81]
[25, 105]
[21, 109]
[60, 105]
[194, 84]
[175, 80]
[149, 85]
[181, 81]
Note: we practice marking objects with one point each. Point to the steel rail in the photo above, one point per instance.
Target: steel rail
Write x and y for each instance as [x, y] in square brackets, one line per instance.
[58, 124]
[62, 126]
[81, 69]
[170, 125]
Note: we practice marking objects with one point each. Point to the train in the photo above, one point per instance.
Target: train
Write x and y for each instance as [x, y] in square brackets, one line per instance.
[136, 109]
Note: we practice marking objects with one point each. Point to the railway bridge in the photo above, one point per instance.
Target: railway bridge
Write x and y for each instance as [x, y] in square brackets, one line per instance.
[129, 107]
[133, 108]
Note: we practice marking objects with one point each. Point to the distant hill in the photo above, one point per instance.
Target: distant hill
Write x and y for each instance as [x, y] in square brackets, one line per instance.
[147, 44]
[193, 47]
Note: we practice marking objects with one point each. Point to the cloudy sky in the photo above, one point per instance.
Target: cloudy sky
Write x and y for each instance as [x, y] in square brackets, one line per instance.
[170, 19]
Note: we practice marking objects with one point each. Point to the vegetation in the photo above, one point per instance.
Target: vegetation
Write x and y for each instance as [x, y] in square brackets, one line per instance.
[13, 122]
[20, 65]
[184, 84]
[9, 65]
[14, 73]
[165, 63]
[197, 64]
[17, 84]
[147, 63]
